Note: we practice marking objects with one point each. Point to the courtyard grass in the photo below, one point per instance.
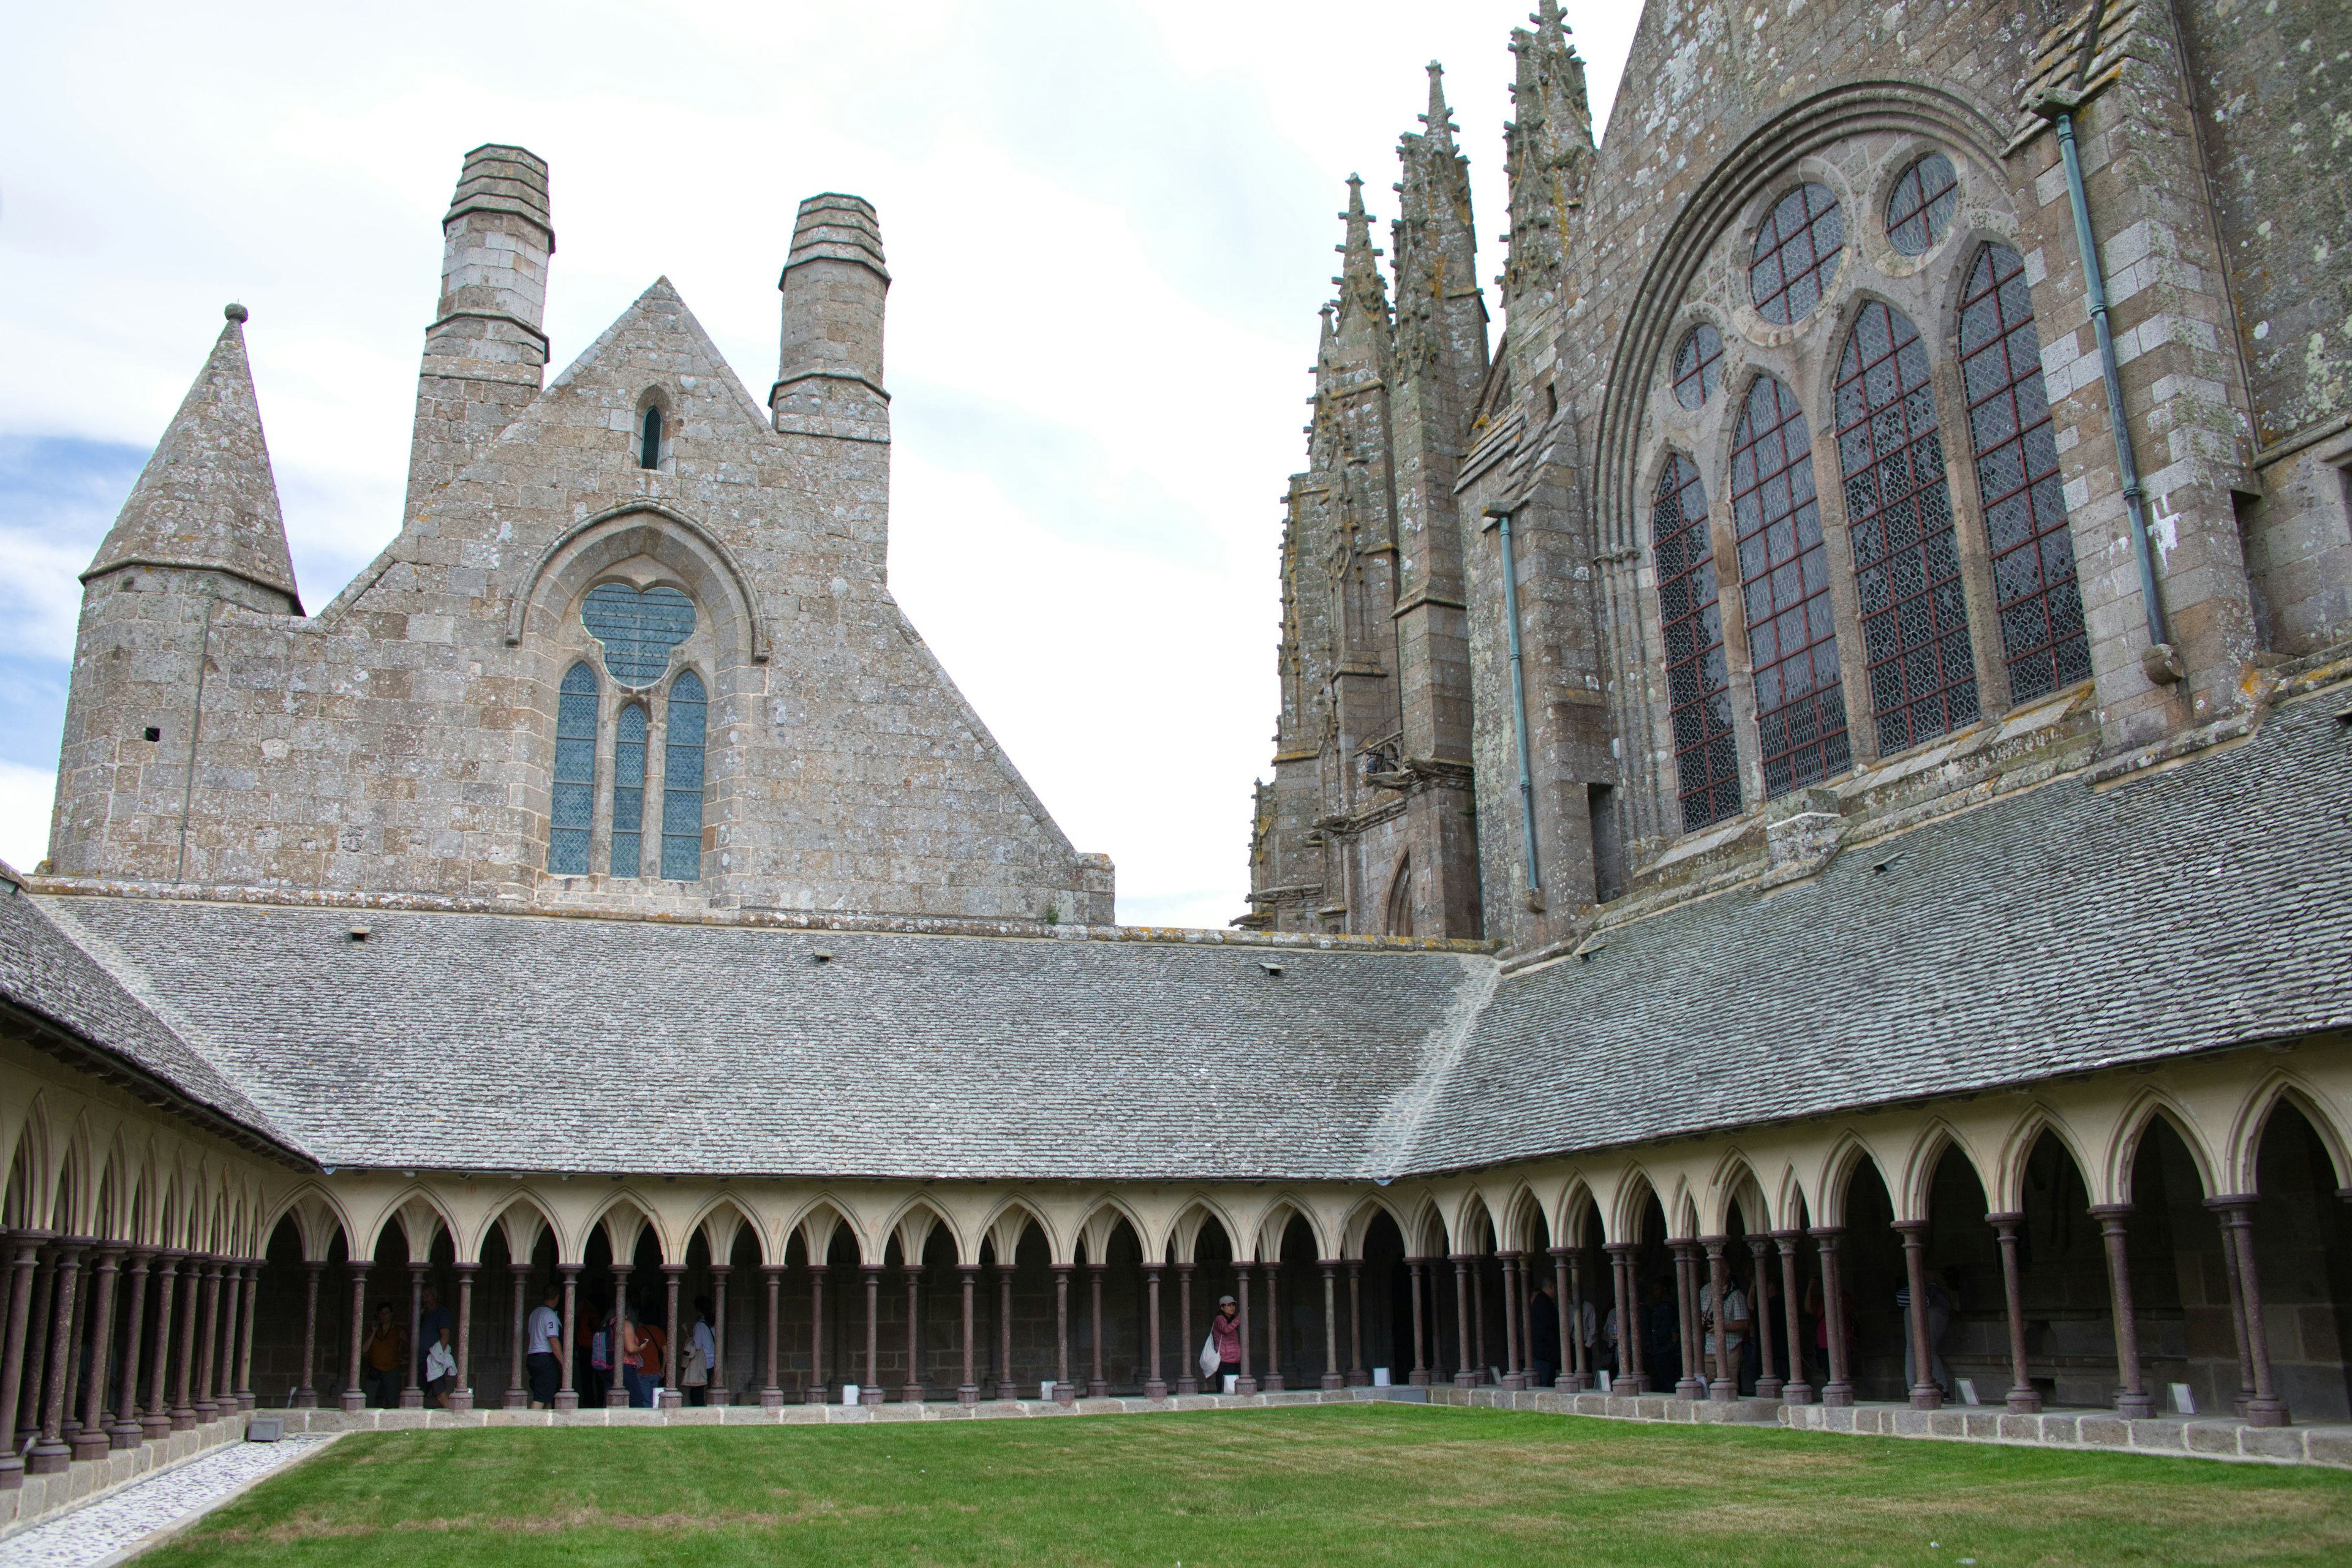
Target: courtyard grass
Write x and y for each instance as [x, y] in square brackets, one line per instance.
[1382, 1483]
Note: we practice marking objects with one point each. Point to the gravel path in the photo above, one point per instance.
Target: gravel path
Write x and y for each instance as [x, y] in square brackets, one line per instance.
[108, 1530]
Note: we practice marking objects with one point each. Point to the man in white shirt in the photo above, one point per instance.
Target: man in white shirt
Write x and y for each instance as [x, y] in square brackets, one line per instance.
[542, 1341]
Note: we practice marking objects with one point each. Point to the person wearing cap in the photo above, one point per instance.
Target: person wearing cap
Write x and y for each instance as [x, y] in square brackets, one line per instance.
[1225, 1332]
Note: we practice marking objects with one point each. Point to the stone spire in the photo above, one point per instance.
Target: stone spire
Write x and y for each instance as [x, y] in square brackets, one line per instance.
[1363, 297]
[206, 499]
[1547, 153]
[1441, 315]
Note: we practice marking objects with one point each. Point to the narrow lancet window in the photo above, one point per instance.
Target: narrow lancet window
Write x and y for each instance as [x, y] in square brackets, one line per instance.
[1784, 579]
[681, 823]
[574, 808]
[1707, 758]
[1898, 509]
[2017, 479]
[649, 444]
[629, 792]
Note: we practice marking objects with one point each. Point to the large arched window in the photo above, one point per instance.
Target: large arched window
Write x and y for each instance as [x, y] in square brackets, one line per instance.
[1698, 693]
[2017, 478]
[629, 792]
[681, 842]
[1898, 507]
[1784, 579]
[574, 808]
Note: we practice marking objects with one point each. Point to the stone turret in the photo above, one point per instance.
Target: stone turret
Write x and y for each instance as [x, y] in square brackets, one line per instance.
[829, 366]
[1548, 156]
[485, 352]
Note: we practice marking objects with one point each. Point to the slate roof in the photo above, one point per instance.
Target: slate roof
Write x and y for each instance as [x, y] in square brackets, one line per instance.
[2059, 931]
[2063, 929]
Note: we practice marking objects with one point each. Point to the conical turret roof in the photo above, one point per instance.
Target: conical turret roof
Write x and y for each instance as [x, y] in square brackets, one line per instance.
[206, 498]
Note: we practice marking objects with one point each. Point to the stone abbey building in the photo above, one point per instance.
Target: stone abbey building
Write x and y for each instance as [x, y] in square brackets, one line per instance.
[1815, 754]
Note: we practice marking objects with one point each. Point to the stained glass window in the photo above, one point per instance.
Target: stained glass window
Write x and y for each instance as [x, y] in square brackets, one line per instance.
[1784, 578]
[629, 792]
[1898, 507]
[1698, 363]
[1919, 208]
[637, 630]
[2017, 477]
[575, 804]
[681, 824]
[1797, 254]
[1707, 758]
[649, 443]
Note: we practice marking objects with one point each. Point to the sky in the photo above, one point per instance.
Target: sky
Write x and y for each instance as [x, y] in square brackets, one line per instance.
[1109, 226]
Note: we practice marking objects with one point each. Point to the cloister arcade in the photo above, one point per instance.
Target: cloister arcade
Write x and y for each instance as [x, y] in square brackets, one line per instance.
[2120, 1239]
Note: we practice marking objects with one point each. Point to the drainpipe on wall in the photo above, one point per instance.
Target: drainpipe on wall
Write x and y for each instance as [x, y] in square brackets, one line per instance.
[1533, 897]
[2161, 660]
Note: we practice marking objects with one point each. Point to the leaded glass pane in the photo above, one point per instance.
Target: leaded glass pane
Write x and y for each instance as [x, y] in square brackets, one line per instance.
[1920, 209]
[1791, 636]
[1698, 700]
[629, 792]
[573, 803]
[1698, 363]
[682, 826]
[637, 630]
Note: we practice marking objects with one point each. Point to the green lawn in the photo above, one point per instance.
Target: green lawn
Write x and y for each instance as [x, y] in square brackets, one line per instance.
[1332, 1484]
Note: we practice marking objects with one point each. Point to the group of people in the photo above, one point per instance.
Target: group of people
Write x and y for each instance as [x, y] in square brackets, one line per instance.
[384, 1365]
[630, 1339]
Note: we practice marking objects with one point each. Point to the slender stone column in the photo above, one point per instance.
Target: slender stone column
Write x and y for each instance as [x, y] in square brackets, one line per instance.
[1759, 1317]
[92, 1440]
[1273, 1380]
[616, 1390]
[1839, 1389]
[252, 1277]
[1795, 1390]
[1419, 1270]
[207, 1345]
[870, 1391]
[1245, 1384]
[517, 1397]
[1006, 1387]
[1097, 1386]
[1567, 1290]
[1926, 1394]
[567, 1397]
[1629, 1330]
[306, 1391]
[70, 1427]
[23, 1259]
[1724, 1386]
[1466, 1373]
[912, 1394]
[2238, 1320]
[1330, 1378]
[155, 1415]
[772, 1392]
[2023, 1397]
[2132, 1400]
[49, 1453]
[813, 1394]
[125, 1431]
[1514, 1375]
[1478, 1316]
[355, 1391]
[1687, 1318]
[27, 1415]
[461, 1398]
[1357, 1376]
[672, 1397]
[412, 1393]
[2266, 1408]
[717, 1392]
[220, 1338]
[1187, 1359]
[967, 1390]
[1154, 1385]
[1063, 1391]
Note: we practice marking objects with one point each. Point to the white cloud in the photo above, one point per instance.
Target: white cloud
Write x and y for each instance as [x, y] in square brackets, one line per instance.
[1109, 227]
[26, 796]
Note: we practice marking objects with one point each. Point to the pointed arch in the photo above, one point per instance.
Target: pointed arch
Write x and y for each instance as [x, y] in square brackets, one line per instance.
[1359, 1221]
[627, 1216]
[1576, 1198]
[1103, 1216]
[1733, 1182]
[817, 1222]
[1635, 1192]
[1274, 1224]
[2278, 1086]
[1927, 1151]
[1801, 715]
[317, 1212]
[724, 1209]
[705, 565]
[2110, 1168]
[1847, 1156]
[520, 1219]
[913, 1220]
[1690, 624]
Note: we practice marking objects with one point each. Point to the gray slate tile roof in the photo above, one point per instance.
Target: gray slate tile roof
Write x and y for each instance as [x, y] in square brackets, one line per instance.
[2055, 932]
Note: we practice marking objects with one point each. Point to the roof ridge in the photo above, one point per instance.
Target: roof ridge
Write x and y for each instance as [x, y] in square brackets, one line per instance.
[1391, 1142]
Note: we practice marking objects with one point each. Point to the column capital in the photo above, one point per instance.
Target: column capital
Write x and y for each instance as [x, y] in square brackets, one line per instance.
[2227, 1203]
[2110, 1213]
[1621, 1248]
[2006, 1217]
[1826, 1234]
[1911, 1229]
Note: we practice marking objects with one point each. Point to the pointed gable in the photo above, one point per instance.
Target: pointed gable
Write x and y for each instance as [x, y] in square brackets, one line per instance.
[208, 498]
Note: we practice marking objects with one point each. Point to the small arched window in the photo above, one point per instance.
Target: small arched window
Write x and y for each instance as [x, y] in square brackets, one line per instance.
[2017, 479]
[1919, 208]
[1784, 579]
[1697, 365]
[1797, 254]
[1698, 693]
[681, 823]
[1898, 507]
[574, 808]
[629, 792]
[649, 440]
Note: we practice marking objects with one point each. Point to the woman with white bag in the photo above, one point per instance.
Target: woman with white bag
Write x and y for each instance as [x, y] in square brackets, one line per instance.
[1221, 1353]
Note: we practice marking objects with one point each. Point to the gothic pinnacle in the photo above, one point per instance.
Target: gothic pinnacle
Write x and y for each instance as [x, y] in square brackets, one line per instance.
[1439, 119]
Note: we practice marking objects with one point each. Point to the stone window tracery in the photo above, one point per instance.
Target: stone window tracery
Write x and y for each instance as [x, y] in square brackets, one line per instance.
[2034, 588]
[1907, 560]
[637, 630]
[1784, 582]
[1698, 365]
[574, 807]
[1706, 756]
[682, 777]
[629, 792]
[1919, 208]
[1797, 254]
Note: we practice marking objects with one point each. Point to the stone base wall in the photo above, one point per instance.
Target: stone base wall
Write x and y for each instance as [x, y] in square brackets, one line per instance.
[43, 1495]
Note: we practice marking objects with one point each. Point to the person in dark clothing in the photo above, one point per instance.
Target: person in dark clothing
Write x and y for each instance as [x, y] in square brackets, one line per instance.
[435, 1329]
[1543, 1337]
[1662, 1333]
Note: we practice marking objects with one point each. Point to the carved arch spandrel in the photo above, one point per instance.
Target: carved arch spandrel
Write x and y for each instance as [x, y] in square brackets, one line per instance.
[665, 534]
